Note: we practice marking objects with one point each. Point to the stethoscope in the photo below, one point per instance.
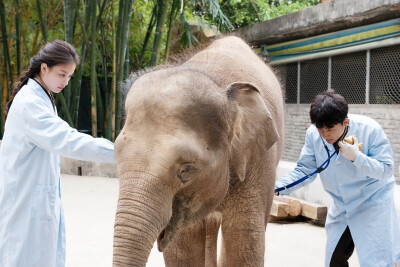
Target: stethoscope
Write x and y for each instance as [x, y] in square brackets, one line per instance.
[322, 167]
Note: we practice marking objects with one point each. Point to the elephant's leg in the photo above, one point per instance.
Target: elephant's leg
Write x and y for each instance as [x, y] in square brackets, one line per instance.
[243, 221]
[243, 237]
[187, 248]
[244, 218]
[213, 222]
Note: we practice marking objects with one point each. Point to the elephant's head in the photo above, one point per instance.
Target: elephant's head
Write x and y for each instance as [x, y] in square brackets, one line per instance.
[173, 154]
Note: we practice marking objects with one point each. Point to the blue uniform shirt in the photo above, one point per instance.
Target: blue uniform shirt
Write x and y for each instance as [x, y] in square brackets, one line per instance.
[362, 192]
[32, 231]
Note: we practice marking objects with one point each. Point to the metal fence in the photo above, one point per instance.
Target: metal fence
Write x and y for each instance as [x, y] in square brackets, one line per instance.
[364, 77]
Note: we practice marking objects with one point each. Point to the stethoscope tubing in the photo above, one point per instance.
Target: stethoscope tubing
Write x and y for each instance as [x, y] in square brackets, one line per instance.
[318, 170]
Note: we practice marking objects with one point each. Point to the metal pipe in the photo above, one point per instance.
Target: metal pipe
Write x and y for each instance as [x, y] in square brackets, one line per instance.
[367, 76]
[298, 82]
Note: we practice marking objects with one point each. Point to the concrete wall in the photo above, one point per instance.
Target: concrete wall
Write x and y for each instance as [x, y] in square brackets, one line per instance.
[88, 168]
[297, 121]
[328, 17]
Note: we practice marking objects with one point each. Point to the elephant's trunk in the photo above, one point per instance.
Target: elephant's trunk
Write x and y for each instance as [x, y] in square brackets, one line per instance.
[142, 213]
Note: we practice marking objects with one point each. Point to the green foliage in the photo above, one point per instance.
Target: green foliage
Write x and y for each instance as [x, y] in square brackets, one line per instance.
[247, 12]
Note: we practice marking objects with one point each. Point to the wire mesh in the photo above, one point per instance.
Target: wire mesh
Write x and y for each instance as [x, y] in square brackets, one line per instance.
[287, 75]
[313, 79]
[349, 75]
[385, 75]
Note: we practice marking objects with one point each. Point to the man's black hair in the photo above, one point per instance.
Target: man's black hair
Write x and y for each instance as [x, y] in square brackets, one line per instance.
[328, 108]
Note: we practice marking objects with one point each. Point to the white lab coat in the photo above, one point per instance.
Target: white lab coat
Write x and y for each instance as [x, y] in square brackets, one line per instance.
[32, 230]
[362, 192]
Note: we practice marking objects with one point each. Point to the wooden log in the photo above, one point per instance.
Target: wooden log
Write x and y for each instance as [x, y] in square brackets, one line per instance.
[294, 204]
[313, 211]
[279, 209]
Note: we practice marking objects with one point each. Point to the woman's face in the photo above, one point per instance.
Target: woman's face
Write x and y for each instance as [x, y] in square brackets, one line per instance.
[56, 77]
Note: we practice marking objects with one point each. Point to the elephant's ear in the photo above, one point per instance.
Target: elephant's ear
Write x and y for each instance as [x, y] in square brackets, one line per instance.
[255, 129]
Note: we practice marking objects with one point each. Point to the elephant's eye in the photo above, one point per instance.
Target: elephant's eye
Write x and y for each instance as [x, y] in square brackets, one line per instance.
[185, 170]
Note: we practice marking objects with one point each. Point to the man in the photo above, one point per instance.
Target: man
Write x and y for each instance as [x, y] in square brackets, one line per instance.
[361, 183]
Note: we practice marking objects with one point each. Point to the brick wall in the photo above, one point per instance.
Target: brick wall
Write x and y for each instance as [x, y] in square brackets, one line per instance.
[297, 121]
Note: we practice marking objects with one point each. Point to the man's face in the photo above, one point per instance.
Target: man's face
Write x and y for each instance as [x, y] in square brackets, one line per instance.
[331, 135]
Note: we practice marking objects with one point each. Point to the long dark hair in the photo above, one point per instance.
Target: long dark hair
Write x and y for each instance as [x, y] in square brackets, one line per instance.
[52, 53]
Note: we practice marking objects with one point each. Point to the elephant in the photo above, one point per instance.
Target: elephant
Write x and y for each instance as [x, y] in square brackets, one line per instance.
[198, 152]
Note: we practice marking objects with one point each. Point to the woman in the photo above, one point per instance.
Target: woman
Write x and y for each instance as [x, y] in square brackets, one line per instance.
[32, 230]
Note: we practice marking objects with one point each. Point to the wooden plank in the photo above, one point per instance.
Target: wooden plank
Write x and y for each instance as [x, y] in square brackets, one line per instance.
[279, 209]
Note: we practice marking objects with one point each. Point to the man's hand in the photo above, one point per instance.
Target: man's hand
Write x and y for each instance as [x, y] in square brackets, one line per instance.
[348, 151]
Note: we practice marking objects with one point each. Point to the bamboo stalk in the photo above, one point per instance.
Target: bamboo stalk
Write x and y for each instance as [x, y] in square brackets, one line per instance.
[172, 15]
[1, 109]
[84, 26]
[121, 13]
[61, 100]
[93, 69]
[45, 17]
[41, 20]
[114, 74]
[148, 35]
[68, 9]
[24, 35]
[18, 35]
[121, 61]
[7, 58]
[107, 122]
[102, 7]
[66, 20]
[77, 87]
[162, 14]
[4, 96]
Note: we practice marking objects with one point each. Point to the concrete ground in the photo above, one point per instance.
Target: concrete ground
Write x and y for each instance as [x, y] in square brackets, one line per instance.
[90, 204]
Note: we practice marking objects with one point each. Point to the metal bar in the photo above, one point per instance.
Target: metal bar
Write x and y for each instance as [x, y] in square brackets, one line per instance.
[329, 73]
[298, 82]
[367, 76]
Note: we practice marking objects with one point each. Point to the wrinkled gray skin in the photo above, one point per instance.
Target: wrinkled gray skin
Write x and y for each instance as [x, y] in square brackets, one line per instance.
[198, 151]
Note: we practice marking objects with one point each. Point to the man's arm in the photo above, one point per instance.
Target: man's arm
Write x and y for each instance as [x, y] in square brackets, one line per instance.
[378, 162]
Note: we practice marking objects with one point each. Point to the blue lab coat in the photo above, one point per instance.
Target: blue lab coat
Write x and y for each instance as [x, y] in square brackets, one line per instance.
[32, 230]
[362, 192]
